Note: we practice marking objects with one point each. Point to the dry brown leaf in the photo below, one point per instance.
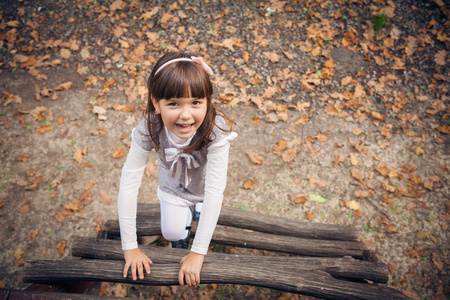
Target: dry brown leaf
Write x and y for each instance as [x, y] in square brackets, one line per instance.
[288, 55]
[255, 120]
[272, 56]
[303, 119]
[105, 198]
[322, 137]
[439, 58]
[18, 255]
[352, 205]
[377, 116]
[64, 86]
[392, 267]
[255, 158]
[346, 80]
[357, 174]
[361, 194]
[379, 60]
[299, 200]
[338, 159]
[316, 51]
[45, 128]
[61, 246]
[357, 131]
[289, 155]
[78, 156]
[119, 152]
[248, 185]
[309, 215]
[24, 209]
[65, 53]
[280, 146]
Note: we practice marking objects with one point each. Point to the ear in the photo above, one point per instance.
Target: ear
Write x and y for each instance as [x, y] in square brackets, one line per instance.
[155, 104]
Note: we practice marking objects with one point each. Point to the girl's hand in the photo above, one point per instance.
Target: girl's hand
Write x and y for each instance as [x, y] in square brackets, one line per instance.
[135, 259]
[190, 269]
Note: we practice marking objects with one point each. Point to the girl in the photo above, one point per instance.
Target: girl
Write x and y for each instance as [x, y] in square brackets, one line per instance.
[192, 140]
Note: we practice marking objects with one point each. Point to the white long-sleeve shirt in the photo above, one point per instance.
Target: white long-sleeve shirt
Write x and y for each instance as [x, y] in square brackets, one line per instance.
[214, 184]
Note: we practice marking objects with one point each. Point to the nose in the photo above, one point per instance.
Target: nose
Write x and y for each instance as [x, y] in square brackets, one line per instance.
[185, 113]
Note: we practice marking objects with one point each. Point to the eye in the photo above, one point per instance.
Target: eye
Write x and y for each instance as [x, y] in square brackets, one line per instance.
[172, 104]
[196, 103]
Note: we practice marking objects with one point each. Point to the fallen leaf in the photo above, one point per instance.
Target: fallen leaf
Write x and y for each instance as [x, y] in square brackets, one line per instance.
[65, 53]
[353, 205]
[32, 234]
[303, 119]
[18, 253]
[45, 128]
[300, 200]
[24, 209]
[280, 146]
[322, 137]
[289, 155]
[338, 159]
[61, 246]
[78, 156]
[119, 152]
[105, 198]
[248, 185]
[309, 215]
[316, 198]
[392, 267]
[272, 56]
[361, 194]
[357, 174]
[439, 58]
[255, 158]
[346, 80]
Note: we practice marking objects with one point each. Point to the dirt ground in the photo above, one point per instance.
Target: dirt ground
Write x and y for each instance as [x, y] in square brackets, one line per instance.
[333, 105]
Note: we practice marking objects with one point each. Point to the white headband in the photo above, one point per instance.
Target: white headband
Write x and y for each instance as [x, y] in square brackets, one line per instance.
[195, 60]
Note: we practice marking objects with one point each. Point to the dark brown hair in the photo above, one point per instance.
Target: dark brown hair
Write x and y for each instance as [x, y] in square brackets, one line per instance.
[181, 79]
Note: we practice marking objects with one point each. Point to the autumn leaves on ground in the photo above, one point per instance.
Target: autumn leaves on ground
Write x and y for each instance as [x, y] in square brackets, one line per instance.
[341, 109]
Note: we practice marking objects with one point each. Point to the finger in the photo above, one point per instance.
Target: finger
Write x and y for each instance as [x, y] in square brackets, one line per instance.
[193, 281]
[149, 261]
[187, 277]
[147, 267]
[125, 270]
[181, 277]
[133, 271]
[140, 271]
[197, 278]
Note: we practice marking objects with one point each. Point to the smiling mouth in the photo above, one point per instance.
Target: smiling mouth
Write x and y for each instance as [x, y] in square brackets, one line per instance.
[184, 127]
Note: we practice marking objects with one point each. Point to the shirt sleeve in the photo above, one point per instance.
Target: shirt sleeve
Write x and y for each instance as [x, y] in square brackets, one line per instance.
[215, 183]
[130, 181]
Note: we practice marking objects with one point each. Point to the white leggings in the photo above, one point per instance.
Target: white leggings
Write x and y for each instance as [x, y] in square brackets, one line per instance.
[174, 220]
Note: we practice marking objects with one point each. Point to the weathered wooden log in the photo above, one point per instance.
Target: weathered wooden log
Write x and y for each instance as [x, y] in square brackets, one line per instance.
[266, 223]
[257, 240]
[343, 267]
[313, 283]
[34, 295]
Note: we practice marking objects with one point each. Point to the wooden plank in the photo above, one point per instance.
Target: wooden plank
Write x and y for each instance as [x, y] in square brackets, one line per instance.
[36, 295]
[266, 223]
[345, 267]
[257, 240]
[312, 283]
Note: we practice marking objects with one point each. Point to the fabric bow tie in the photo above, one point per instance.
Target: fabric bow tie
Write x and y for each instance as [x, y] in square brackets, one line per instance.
[176, 156]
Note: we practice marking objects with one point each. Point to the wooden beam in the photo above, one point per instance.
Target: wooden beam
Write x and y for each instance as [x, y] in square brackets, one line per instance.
[343, 267]
[257, 240]
[33, 295]
[312, 283]
[266, 223]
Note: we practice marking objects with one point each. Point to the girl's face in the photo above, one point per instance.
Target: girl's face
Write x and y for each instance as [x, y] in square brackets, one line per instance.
[182, 116]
